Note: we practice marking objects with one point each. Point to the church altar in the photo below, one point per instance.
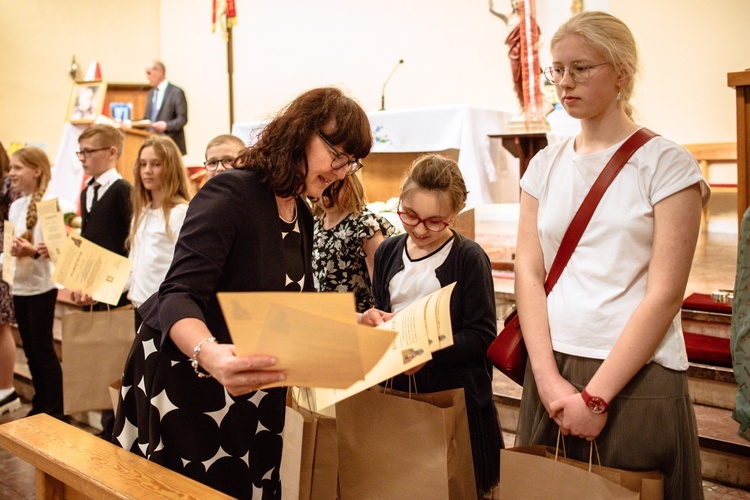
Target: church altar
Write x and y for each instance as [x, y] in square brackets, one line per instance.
[490, 172]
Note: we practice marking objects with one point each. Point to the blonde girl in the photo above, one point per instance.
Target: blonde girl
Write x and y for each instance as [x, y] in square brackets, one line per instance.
[160, 197]
[34, 293]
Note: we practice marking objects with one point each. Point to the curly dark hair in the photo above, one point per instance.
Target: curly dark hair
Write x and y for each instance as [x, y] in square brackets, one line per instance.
[279, 155]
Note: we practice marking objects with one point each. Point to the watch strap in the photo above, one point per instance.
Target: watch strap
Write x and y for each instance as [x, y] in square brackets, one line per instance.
[595, 403]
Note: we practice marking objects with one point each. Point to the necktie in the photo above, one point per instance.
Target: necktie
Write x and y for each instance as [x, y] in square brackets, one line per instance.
[154, 109]
[96, 187]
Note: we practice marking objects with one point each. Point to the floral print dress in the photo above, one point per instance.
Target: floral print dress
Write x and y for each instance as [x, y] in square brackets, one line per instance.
[339, 257]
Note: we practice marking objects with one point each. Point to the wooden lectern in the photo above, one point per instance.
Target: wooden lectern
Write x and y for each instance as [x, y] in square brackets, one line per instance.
[135, 94]
[740, 81]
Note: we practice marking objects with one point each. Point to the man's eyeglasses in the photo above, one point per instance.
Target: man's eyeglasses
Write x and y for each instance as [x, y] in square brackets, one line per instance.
[86, 153]
[212, 165]
[341, 160]
[579, 72]
[431, 224]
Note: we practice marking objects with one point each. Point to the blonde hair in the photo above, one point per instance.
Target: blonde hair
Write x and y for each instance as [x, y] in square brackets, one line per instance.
[348, 194]
[225, 139]
[435, 172]
[105, 136]
[177, 187]
[612, 39]
[33, 157]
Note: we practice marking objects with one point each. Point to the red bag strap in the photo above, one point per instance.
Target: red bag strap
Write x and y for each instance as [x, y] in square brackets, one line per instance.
[591, 201]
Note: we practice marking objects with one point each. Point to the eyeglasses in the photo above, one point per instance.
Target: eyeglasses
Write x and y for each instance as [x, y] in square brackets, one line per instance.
[227, 162]
[579, 72]
[341, 160]
[412, 220]
[86, 153]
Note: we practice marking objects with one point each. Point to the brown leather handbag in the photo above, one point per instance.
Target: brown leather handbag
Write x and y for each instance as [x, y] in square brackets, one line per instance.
[508, 351]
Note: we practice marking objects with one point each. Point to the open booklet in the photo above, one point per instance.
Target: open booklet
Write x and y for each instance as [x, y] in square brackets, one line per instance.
[84, 265]
[140, 123]
[319, 345]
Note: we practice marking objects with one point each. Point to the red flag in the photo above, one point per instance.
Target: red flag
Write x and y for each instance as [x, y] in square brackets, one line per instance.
[223, 14]
[94, 72]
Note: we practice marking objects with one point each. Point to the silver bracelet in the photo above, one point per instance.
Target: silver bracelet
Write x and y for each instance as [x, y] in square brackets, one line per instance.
[194, 360]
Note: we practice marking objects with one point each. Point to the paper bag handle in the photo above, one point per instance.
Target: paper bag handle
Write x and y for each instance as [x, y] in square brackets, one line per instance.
[593, 446]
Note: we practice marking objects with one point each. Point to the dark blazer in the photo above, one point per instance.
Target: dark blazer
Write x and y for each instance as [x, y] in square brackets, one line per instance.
[173, 111]
[473, 318]
[230, 241]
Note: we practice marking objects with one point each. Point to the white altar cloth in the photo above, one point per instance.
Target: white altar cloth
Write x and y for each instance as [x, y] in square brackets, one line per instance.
[463, 128]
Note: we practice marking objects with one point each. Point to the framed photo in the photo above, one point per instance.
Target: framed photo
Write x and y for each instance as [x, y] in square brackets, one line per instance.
[86, 101]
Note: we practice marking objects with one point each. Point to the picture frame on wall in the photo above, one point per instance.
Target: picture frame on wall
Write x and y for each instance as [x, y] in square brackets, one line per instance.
[86, 101]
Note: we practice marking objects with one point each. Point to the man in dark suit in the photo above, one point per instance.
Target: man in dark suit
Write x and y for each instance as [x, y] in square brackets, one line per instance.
[166, 105]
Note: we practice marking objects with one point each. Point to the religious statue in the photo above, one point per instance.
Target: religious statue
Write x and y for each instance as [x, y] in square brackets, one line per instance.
[524, 68]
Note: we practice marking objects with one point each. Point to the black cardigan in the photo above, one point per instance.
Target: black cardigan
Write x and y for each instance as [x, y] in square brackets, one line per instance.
[230, 241]
[473, 318]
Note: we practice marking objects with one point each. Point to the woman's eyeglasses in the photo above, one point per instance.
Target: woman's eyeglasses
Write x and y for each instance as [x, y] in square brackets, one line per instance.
[341, 160]
[412, 220]
[579, 72]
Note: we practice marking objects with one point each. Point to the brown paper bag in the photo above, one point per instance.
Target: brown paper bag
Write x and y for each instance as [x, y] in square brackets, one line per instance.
[530, 472]
[114, 393]
[319, 455]
[291, 454]
[95, 346]
[392, 447]
[650, 484]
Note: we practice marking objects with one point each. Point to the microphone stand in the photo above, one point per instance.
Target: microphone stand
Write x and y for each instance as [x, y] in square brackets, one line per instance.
[382, 94]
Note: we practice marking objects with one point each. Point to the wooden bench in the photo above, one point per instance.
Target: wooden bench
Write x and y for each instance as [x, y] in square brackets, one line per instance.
[73, 464]
[714, 152]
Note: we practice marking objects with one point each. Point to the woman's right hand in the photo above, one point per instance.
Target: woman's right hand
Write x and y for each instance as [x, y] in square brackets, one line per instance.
[239, 375]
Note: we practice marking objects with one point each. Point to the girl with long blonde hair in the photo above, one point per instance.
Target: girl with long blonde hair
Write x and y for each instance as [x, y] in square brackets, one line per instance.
[160, 196]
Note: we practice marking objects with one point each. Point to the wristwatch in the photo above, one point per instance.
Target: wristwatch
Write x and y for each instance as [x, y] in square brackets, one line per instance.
[595, 403]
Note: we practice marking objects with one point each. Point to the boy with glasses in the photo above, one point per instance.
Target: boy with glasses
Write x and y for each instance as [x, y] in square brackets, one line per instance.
[105, 210]
[221, 152]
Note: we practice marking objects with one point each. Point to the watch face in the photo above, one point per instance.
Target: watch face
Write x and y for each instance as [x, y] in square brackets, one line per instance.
[597, 405]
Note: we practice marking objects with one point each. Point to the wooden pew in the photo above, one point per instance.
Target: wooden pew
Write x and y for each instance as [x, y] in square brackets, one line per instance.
[73, 464]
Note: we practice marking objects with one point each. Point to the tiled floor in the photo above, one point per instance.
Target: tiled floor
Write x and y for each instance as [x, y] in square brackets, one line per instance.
[713, 268]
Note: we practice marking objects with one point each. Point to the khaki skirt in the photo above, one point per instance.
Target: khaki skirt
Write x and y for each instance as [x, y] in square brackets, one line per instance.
[651, 424]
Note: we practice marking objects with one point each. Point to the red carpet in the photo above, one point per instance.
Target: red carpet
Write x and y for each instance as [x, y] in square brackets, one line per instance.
[705, 349]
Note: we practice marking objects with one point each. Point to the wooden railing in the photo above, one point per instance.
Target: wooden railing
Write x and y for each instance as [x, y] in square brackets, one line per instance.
[73, 464]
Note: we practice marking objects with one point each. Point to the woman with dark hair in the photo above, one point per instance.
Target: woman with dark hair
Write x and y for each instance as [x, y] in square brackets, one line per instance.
[187, 401]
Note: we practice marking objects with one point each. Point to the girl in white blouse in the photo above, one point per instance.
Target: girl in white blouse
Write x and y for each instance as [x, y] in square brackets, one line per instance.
[34, 293]
[160, 197]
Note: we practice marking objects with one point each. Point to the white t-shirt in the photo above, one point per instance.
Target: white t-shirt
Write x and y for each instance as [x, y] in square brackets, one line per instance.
[152, 251]
[417, 279]
[605, 279]
[33, 276]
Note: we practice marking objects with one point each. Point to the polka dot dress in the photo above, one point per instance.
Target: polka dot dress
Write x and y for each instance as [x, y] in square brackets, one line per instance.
[192, 425]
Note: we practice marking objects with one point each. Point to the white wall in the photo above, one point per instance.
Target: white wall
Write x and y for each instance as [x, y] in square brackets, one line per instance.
[454, 53]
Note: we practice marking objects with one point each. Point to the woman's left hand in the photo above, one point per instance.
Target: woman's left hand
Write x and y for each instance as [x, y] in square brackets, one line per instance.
[577, 418]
